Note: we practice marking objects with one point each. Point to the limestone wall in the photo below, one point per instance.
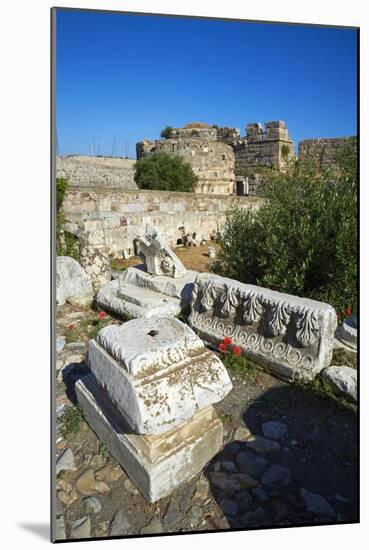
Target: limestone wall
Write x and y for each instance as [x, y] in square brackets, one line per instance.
[97, 171]
[322, 151]
[112, 218]
[212, 161]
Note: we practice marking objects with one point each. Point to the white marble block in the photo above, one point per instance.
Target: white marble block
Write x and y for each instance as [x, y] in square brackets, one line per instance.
[156, 372]
[137, 294]
[157, 464]
[158, 257]
[291, 337]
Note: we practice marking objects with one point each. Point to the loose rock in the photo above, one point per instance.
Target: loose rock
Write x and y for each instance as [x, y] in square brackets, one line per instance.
[172, 515]
[154, 526]
[256, 518]
[60, 529]
[81, 528]
[274, 430]
[276, 476]
[120, 524]
[229, 507]
[92, 505]
[244, 500]
[66, 462]
[250, 464]
[316, 504]
[343, 380]
[228, 484]
[262, 446]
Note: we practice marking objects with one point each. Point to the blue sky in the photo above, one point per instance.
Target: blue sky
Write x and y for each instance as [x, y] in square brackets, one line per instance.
[121, 78]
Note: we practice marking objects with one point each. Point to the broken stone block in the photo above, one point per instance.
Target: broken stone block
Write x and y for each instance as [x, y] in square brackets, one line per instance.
[134, 302]
[157, 256]
[138, 294]
[347, 333]
[343, 380]
[157, 464]
[291, 337]
[156, 372]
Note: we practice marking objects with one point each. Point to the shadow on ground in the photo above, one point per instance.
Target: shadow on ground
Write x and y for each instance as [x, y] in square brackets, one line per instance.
[307, 476]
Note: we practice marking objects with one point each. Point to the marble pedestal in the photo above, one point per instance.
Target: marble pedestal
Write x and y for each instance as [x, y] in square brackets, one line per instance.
[156, 464]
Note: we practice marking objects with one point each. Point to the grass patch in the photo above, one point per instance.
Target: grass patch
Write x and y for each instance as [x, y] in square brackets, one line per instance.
[226, 418]
[71, 420]
[342, 357]
[324, 390]
[240, 366]
[103, 450]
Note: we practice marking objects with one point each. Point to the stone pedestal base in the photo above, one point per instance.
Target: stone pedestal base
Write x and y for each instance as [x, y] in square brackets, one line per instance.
[157, 464]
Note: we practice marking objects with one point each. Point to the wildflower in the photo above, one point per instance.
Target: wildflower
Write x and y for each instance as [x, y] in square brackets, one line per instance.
[339, 313]
[348, 312]
[237, 350]
[227, 341]
[102, 314]
[222, 347]
[70, 327]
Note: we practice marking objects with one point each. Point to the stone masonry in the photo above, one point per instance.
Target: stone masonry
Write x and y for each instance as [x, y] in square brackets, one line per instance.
[96, 171]
[113, 218]
[322, 151]
[212, 161]
[219, 155]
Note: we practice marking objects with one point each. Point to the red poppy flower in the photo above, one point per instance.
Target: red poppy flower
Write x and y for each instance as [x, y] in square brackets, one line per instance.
[348, 312]
[227, 341]
[70, 327]
[237, 350]
[222, 347]
[102, 314]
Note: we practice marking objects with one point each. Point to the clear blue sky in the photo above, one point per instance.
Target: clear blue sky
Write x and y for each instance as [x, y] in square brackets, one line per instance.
[129, 76]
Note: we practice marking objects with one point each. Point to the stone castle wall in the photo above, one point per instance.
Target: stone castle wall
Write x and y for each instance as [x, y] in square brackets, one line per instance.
[96, 171]
[111, 218]
[322, 151]
[212, 161]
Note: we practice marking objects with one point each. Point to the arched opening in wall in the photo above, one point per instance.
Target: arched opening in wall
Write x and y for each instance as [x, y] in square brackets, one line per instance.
[179, 242]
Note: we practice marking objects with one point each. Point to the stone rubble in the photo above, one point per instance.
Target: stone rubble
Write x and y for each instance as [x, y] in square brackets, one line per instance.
[73, 285]
[343, 380]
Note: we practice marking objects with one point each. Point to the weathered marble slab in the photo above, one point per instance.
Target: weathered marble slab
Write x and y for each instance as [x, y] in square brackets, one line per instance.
[176, 288]
[291, 337]
[156, 372]
[157, 464]
[157, 256]
[135, 302]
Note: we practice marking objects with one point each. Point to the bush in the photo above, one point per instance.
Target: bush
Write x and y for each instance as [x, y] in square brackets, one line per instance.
[167, 132]
[303, 241]
[67, 244]
[165, 172]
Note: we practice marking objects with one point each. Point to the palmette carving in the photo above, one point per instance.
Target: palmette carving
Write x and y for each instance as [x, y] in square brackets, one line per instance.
[228, 301]
[252, 308]
[307, 327]
[280, 316]
[207, 297]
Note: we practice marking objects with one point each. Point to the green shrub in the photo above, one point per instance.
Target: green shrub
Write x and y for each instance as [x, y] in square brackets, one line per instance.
[67, 244]
[165, 172]
[303, 241]
[166, 133]
[71, 420]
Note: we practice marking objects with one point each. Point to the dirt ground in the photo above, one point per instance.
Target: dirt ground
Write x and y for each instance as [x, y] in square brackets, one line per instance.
[194, 258]
[316, 454]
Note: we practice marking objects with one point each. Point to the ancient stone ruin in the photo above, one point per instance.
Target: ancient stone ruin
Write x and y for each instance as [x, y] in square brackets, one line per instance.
[211, 160]
[161, 285]
[221, 158]
[149, 399]
[291, 337]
